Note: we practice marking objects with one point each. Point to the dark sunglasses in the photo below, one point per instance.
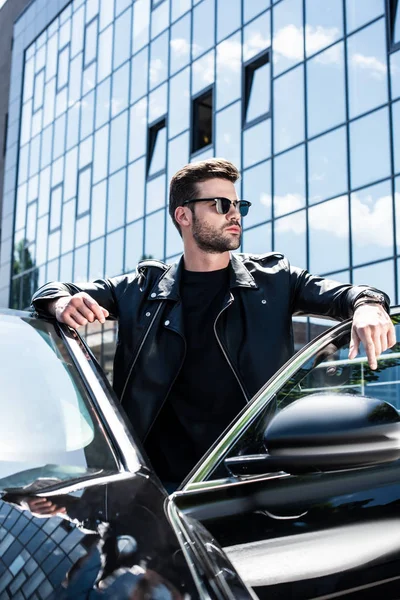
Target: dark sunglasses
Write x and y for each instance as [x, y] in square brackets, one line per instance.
[224, 204]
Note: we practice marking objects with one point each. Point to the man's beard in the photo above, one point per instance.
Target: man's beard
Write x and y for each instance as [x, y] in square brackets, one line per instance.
[213, 240]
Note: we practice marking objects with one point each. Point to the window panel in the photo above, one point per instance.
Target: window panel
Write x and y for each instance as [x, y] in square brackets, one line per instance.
[203, 27]
[290, 237]
[178, 153]
[52, 57]
[41, 243]
[139, 77]
[369, 148]
[174, 240]
[86, 152]
[229, 71]
[258, 89]
[229, 17]
[20, 217]
[258, 239]
[158, 103]
[92, 9]
[55, 207]
[203, 72]
[26, 123]
[89, 79]
[29, 74]
[289, 181]
[118, 142]
[251, 8]
[31, 222]
[81, 264]
[394, 74]
[328, 225]
[78, 31]
[84, 189]
[155, 197]
[360, 13]
[135, 190]
[157, 148]
[57, 174]
[59, 136]
[33, 188]
[99, 203]
[396, 135]
[122, 38]
[180, 44]
[53, 270]
[100, 158]
[257, 143]
[73, 125]
[179, 103]
[379, 275]
[154, 237]
[159, 18]
[133, 245]
[120, 90]
[121, 5]
[87, 115]
[39, 90]
[75, 81]
[44, 193]
[327, 166]
[367, 69]
[202, 121]
[141, 23]
[65, 33]
[114, 253]
[257, 36]
[256, 188]
[71, 173]
[179, 7]
[91, 42]
[46, 150]
[34, 155]
[103, 102]
[372, 223]
[66, 267]
[324, 24]
[96, 261]
[288, 41]
[158, 60]
[23, 164]
[326, 90]
[82, 231]
[137, 129]
[106, 13]
[61, 102]
[116, 200]
[288, 98]
[228, 134]
[104, 62]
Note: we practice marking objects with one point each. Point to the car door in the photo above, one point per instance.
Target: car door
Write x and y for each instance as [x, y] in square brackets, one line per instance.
[324, 533]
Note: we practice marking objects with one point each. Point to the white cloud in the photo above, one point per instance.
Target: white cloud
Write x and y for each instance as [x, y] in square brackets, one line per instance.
[372, 64]
[180, 46]
[373, 219]
[229, 58]
[156, 67]
[255, 44]
[288, 43]
[203, 69]
[320, 37]
[288, 203]
[295, 224]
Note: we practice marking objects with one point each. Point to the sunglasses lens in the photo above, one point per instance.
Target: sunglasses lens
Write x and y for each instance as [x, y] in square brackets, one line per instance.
[223, 206]
[243, 208]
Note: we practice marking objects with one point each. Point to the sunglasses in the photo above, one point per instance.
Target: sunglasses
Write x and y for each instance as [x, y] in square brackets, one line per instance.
[223, 205]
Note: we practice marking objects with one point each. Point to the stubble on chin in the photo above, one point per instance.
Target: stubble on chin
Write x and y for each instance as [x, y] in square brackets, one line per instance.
[213, 240]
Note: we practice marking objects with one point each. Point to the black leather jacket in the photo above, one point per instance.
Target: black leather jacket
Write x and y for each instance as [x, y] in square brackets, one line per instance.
[253, 328]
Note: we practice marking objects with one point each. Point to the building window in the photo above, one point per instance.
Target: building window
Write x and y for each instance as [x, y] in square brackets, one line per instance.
[156, 148]
[202, 110]
[257, 89]
[395, 22]
[155, 3]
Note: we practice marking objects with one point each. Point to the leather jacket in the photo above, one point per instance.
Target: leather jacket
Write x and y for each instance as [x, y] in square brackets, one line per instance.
[253, 328]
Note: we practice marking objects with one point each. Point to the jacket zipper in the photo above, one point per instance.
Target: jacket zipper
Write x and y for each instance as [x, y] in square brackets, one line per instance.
[223, 350]
[139, 350]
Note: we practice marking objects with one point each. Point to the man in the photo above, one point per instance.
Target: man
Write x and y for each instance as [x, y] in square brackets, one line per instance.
[198, 338]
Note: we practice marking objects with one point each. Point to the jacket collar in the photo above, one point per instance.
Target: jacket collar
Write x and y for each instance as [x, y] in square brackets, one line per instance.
[168, 286]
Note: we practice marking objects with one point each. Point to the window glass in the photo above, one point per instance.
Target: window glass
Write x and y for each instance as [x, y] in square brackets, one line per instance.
[41, 243]
[48, 111]
[103, 102]
[327, 166]
[141, 22]
[81, 264]
[135, 190]
[27, 121]
[84, 188]
[155, 197]
[91, 42]
[179, 103]
[96, 260]
[55, 207]
[89, 78]
[360, 13]
[114, 253]
[68, 226]
[288, 35]
[85, 152]
[324, 24]
[290, 237]
[64, 34]
[92, 9]
[66, 267]
[229, 17]
[52, 270]
[229, 71]
[154, 236]
[20, 216]
[116, 200]
[396, 135]
[203, 27]
[372, 223]
[179, 7]
[44, 194]
[394, 73]
[75, 79]
[367, 69]
[180, 44]
[379, 275]
[23, 164]
[82, 231]
[158, 157]
[39, 90]
[258, 81]
[31, 223]
[57, 176]
[178, 154]
[158, 60]
[104, 62]
[120, 90]
[158, 103]
[99, 202]
[51, 60]
[87, 115]
[202, 121]
[251, 8]
[118, 142]
[257, 240]
[139, 77]
[46, 150]
[228, 133]
[256, 143]
[122, 38]
[326, 99]
[29, 75]
[159, 18]
[203, 72]
[78, 31]
[106, 13]
[257, 36]
[256, 186]
[73, 125]
[34, 156]
[288, 97]
[328, 225]
[369, 148]
[61, 106]
[59, 136]
[133, 245]
[121, 5]
[33, 188]
[289, 181]
[137, 129]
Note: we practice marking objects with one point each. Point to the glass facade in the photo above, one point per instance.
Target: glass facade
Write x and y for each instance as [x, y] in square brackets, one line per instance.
[107, 101]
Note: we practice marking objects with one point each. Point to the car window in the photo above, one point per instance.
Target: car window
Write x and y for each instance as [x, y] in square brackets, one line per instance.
[49, 431]
[329, 370]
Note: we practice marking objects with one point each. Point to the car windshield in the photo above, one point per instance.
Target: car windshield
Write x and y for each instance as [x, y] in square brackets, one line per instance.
[49, 431]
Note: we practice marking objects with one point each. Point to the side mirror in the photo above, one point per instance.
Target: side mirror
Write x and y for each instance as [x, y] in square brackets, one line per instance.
[326, 432]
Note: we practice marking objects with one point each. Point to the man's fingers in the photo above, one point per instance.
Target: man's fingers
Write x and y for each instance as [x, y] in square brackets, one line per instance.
[354, 344]
[95, 311]
[391, 336]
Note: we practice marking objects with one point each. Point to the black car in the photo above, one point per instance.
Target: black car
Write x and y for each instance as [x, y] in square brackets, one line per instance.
[299, 498]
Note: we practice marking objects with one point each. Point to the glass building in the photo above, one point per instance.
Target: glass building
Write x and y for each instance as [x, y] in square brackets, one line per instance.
[110, 97]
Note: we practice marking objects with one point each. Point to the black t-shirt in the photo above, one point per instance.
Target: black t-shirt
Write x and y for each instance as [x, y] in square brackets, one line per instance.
[206, 395]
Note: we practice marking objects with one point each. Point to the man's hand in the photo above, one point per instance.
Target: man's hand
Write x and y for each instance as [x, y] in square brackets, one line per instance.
[77, 310]
[373, 327]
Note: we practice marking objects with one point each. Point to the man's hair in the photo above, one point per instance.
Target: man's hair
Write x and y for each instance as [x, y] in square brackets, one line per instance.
[183, 183]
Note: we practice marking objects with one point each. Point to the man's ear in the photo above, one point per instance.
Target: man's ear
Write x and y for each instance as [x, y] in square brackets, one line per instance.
[183, 216]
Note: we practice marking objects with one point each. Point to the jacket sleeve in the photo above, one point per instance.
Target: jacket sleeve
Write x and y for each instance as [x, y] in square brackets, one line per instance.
[314, 295]
[106, 292]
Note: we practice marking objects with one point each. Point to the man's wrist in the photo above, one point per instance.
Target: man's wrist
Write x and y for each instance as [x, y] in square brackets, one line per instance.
[371, 297]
